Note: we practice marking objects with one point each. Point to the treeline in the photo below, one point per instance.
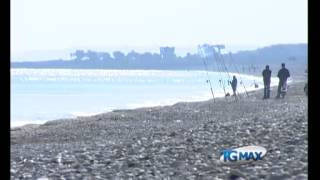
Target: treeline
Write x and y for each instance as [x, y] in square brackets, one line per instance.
[294, 54]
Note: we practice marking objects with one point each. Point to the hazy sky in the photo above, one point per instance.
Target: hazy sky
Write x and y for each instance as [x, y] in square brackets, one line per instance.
[67, 24]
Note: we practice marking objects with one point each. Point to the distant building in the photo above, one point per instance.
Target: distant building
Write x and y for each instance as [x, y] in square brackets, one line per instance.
[167, 52]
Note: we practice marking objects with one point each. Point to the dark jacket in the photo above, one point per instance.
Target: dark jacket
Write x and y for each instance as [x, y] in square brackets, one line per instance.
[234, 84]
[266, 73]
[283, 74]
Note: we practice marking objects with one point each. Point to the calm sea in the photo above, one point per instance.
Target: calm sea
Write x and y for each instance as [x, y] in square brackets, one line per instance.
[39, 95]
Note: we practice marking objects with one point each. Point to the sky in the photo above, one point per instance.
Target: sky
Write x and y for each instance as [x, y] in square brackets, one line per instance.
[44, 27]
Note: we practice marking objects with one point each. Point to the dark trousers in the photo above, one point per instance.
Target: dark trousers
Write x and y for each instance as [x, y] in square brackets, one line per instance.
[234, 91]
[266, 89]
[279, 87]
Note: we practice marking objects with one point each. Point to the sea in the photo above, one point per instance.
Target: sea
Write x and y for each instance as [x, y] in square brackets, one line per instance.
[40, 95]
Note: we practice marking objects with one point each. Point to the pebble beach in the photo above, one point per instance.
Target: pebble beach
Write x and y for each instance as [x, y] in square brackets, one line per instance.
[182, 141]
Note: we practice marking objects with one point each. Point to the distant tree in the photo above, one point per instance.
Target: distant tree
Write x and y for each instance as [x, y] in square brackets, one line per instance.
[118, 55]
[92, 55]
[167, 52]
[105, 56]
[156, 57]
[78, 54]
[192, 57]
[133, 55]
[146, 56]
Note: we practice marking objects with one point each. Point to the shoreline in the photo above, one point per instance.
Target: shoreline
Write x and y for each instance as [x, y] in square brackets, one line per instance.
[156, 104]
[220, 96]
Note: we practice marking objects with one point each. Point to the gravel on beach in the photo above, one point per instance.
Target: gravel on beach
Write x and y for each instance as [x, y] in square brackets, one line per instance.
[182, 141]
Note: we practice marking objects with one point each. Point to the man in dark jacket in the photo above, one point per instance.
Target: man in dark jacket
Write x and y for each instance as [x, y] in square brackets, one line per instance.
[266, 73]
[283, 75]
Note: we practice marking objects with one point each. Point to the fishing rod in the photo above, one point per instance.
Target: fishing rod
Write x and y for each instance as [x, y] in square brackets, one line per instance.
[219, 70]
[224, 64]
[222, 59]
[206, 68]
[245, 89]
[222, 83]
[241, 81]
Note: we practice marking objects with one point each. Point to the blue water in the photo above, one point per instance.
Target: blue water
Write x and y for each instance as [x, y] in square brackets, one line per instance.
[39, 95]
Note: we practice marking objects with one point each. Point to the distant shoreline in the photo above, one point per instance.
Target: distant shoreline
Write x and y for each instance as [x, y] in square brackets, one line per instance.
[295, 55]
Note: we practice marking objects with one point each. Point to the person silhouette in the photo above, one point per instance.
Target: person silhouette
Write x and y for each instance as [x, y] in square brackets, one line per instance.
[234, 83]
[266, 73]
[283, 75]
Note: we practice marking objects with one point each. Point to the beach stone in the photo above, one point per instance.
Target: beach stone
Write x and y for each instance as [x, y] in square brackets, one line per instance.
[43, 178]
[172, 134]
[236, 175]
[27, 175]
[254, 178]
[279, 177]
[301, 177]
[13, 171]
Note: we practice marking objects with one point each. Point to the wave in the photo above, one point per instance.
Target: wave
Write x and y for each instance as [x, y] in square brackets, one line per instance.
[119, 76]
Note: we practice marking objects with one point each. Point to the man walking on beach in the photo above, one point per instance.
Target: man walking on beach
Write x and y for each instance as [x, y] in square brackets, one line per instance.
[283, 75]
[266, 73]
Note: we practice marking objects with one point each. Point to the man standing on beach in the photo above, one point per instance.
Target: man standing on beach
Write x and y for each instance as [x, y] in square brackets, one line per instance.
[283, 75]
[234, 85]
[266, 73]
